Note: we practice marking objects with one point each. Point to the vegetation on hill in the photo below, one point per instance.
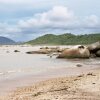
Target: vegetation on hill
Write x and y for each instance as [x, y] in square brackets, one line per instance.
[65, 39]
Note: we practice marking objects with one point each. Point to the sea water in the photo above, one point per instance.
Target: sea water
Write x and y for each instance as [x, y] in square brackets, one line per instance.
[17, 64]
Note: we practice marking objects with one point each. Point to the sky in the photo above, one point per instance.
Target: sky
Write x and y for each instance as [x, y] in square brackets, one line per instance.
[23, 20]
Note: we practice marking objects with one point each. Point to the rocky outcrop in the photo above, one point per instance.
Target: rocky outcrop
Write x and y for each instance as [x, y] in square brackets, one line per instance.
[52, 49]
[94, 49]
[75, 52]
[98, 53]
[45, 50]
[78, 51]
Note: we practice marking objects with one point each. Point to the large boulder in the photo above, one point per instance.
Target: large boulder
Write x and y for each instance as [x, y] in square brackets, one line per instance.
[75, 52]
[93, 48]
[98, 53]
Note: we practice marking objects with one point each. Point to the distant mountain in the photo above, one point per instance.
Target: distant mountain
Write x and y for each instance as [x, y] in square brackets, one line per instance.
[6, 41]
[65, 39]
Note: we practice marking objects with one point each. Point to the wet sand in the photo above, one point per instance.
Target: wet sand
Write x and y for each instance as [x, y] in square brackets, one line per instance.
[85, 86]
[11, 84]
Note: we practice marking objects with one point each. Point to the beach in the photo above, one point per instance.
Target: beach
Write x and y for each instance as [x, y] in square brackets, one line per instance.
[39, 77]
[80, 87]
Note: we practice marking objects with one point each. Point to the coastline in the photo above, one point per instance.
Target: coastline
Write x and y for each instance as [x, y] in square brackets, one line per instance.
[84, 86]
[57, 71]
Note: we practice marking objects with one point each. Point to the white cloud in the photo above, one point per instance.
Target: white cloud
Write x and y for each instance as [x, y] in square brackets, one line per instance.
[59, 19]
[59, 13]
[92, 21]
[59, 16]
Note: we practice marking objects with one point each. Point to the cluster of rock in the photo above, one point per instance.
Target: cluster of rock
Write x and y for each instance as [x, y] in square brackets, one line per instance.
[46, 50]
[75, 52]
[94, 49]
[78, 51]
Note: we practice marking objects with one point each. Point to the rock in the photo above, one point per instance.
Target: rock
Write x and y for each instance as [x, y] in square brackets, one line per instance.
[79, 65]
[93, 48]
[98, 53]
[82, 75]
[42, 51]
[75, 52]
[7, 51]
[45, 50]
[52, 49]
[93, 83]
[30, 52]
[90, 74]
[16, 51]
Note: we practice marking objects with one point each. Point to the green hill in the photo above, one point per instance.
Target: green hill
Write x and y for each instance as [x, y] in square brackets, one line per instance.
[65, 39]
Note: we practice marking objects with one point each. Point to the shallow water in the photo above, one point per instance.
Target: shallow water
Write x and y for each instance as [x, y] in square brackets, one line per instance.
[25, 63]
[16, 64]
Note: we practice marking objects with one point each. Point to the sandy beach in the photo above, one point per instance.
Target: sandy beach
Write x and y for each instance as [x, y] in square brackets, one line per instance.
[39, 77]
[81, 87]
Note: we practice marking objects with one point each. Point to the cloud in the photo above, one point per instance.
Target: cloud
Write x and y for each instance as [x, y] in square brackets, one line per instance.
[92, 21]
[59, 19]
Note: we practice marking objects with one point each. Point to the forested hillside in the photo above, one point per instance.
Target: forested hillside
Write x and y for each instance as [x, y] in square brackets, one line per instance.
[65, 39]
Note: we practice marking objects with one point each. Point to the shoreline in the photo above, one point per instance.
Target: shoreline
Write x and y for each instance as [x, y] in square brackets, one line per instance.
[38, 69]
[29, 80]
[83, 86]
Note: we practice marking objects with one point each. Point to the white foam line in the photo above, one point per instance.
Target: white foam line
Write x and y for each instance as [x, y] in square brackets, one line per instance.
[1, 73]
[11, 71]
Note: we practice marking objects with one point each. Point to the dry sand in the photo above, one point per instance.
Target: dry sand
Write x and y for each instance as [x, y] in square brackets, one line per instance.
[82, 87]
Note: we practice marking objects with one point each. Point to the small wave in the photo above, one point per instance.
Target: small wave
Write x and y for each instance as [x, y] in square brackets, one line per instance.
[1, 73]
[11, 71]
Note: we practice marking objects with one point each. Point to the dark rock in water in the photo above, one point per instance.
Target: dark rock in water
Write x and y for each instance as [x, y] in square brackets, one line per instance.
[16, 51]
[91, 74]
[52, 49]
[82, 75]
[98, 53]
[93, 48]
[30, 52]
[44, 48]
[7, 51]
[79, 65]
[75, 52]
